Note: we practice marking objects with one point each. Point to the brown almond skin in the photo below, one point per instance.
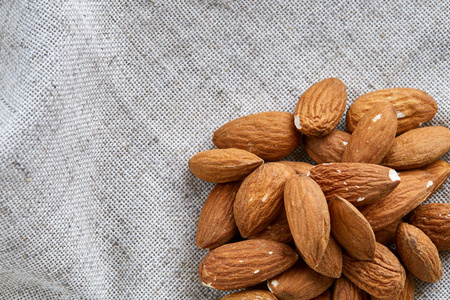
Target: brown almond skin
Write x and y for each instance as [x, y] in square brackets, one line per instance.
[373, 136]
[270, 135]
[320, 108]
[360, 184]
[223, 165]
[299, 282]
[326, 149]
[383, 277]
[260, 198]
[308, 217]
[298, 166]
[418, 147]
[414, 188]
[324, 296]
[418, 253]
[434, 220]
[386, 235]
[413, 107]
[216, 224]
[344, 289]
[351, 229]
[277, 231]
[243, 264]
[440, 170]
[408, 291]
[250, 295]
[331, 263]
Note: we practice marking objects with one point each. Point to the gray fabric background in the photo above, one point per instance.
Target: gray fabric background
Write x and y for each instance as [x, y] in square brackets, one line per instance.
[102, 103]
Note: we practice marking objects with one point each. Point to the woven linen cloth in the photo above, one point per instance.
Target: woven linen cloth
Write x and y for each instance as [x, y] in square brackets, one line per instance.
[102, 103]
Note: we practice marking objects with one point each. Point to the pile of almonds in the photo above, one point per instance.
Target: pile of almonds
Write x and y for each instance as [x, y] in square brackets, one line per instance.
[323, 231]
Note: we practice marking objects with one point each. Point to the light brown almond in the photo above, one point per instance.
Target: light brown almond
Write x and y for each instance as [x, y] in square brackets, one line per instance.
[418, 253]
[407, 292]
[414, 188]
[326, 149]
[383, 277]
[216, 224]
[298, 166]
[243, 264]
[260, 198]
[223, 165]
[344, 289]
[434, 220]
[413, 107]
[308, 217]
[440, 170]
[360, 184]
[250, 295]
[418, 147]
[299, 282]
[351, 229]
[331, 263]
[270, 135]
[373, 136]
[321, 107]
[277, 231]
[324, 296]
[386, 235]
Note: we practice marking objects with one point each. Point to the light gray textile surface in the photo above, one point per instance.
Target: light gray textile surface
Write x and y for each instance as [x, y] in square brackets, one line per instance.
[102, 103]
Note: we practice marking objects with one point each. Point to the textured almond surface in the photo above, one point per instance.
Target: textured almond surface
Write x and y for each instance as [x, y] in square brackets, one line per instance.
[413, 189]
[386, 235]
[360, 184]
[298, 166]
[413, 107]
[260, 198]
[216, 224]
[250, 295]
[308, 217]
[331, 263]
[418, 253]
[326, 149]
[440, 170]
[223, 165]
[299, 282]
[277, 231]
[270, 135]
[243, 264]
[383, 277]
[351, 229]
[344, 289]
[321, 107]
[324, 296]
[418, 147]
[434, 220]
[373, 136]
[407, 292]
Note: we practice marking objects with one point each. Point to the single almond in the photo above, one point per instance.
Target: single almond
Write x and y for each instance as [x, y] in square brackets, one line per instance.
[326, 149]
[270, 135]
[408, 291]
[344, 289]
[308, 217]
[360, 184]
[414, 188]
[351, 229]
[216, 224]
[250, 295]
[373, 136]
[298, 166]
[418, 147]
[440, 170]
[260, 198]
[324, 296]
[434, 220]
[321, 107]
[243, 264]
[383, 277]
[299, 282]
[418, 253]
[331, 263]
[386, 235]
[223, 165]
[413, 107]
[277, 231]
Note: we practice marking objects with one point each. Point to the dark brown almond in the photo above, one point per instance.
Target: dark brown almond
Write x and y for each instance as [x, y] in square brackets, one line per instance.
[344, 289]
[277, 231]
[326, 149]
[324, 296]
[331, 263]
[298, 166]
[386, 235]
[250, 295]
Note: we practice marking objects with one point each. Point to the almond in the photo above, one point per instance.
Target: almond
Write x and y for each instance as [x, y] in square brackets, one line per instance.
[298, 166]
[414, 188]
[440, 170]
[373, 136]
[434, 220]
[331, 263]
[407, 292]
[386, 235]
[344, 289]
[260, 198]
[223, 165]
[242, 264]
[270, 135]
[308, 217]
[351, 229]
[418, 147]
[277, 231]
[418, 253]
[321, 107]
[216, 224]
[360, 184]
[324, 296]
[250, 295]
[383, 277]
[326, 149]
[299, 282]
